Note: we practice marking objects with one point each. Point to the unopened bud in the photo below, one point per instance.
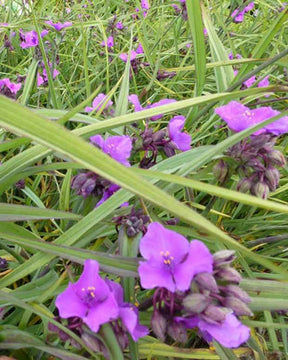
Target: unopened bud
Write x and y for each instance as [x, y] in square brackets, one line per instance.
[260, 189]
[223, 257]
[20, 184]
[206, 281]
[158, 136]
[272, 175]
[237, 292]
[244, 185]
[159, 325]
[258, 141]
[92, 342]
[238, 306]
[3, 264]
[275, 157]
[229, 274]
[169, 149]
[78, 181]
[214, 314]
[178, 332]
[220, 171]
[195, 303]
[88, 187]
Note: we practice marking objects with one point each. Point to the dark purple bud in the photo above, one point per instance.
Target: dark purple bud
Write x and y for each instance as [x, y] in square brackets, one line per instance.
[220, 170]
[196, 303]
[20, 184]
[214, 314]
[256, 164]
[3, 264]
[147, 141]
[223, 257]
[260, 189]
[259, 141]
[158, 136]
[238, 306]
[169, 149]
[237, 292]
[272, 175]
[159, 325]
[244, 185]
[88, 187]
[206, 281]
[229, 274]
[275, 157]
[78, 181]
[178, 332]
[94, 344]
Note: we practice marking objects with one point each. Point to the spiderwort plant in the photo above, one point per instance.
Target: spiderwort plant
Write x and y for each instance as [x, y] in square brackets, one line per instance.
[94, 301]
[193, 289]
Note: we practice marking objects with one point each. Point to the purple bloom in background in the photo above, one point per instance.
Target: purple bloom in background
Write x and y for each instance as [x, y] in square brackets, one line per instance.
[118, 147]
[98, 103]
[109, 43]
[238, 16]
[231, 333]
[12, 87]
[145, 5]
[59, 26]
[139, 49]
[124, 56]
[90, 298]
[239, 117]
[172, 261]
[248, 83]
[133, 99]
[43, 79]
[128, 313]
[30, 38]
[119, 25]
[181, 139]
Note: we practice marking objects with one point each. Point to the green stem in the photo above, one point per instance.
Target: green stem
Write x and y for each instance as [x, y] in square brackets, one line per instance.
[111, 342]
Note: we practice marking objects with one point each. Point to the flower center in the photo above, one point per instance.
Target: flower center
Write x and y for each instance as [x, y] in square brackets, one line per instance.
[248, 113]
[88, 296]
[167, 258]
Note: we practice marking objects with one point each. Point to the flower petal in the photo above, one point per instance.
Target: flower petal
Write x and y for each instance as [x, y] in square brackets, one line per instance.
[152, 275]
[130, 318]
[76, 307]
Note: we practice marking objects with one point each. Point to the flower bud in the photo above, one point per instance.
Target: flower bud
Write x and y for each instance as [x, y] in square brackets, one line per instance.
[206, 281]
[237, 292]
[78, 181]
[244, 185]
[158, 136]
[88, 187]
[220, 171]
[214, 314]
[92, 342]
[229, 274]
[275, 157]
[178, 332]
[3, 264]
[169, 149]
[238, 306]
[223, 257]
[20, 184]
[260, 189]
[159, 325]
[272, 175]
[258, 141]
[195, 303]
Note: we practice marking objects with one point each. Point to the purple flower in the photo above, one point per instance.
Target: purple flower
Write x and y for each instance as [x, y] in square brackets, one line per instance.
[59, 26]
[90, 298]
[30, 38]
[137, 107]
[248, 83]
[109, 43]
[139, 49]
[172, 261]
[13, 87]
[118, 147]
[128, 313]
[119, 25]
[42, 79]
[238, 16]
[145, 5]
[124, 56]
[179, 138]
[239, 117]
[231, 333]
[98, 103]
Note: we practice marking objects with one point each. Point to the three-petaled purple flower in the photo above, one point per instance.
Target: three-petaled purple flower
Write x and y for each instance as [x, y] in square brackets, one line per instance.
[12, 87]
[30, 38]
[181, 139]
[99, 102]
[171, 261]
[239, 117]
[231, 333]
[90, 298]
[133, 99]
[238, 16]
[59, 26]
[109, 42]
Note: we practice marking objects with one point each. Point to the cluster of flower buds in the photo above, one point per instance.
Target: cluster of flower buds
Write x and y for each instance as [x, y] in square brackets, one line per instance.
[256, 161]
[211, 298]
[3, 264]
[135, 222]
[169, 140]
[88, 183]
